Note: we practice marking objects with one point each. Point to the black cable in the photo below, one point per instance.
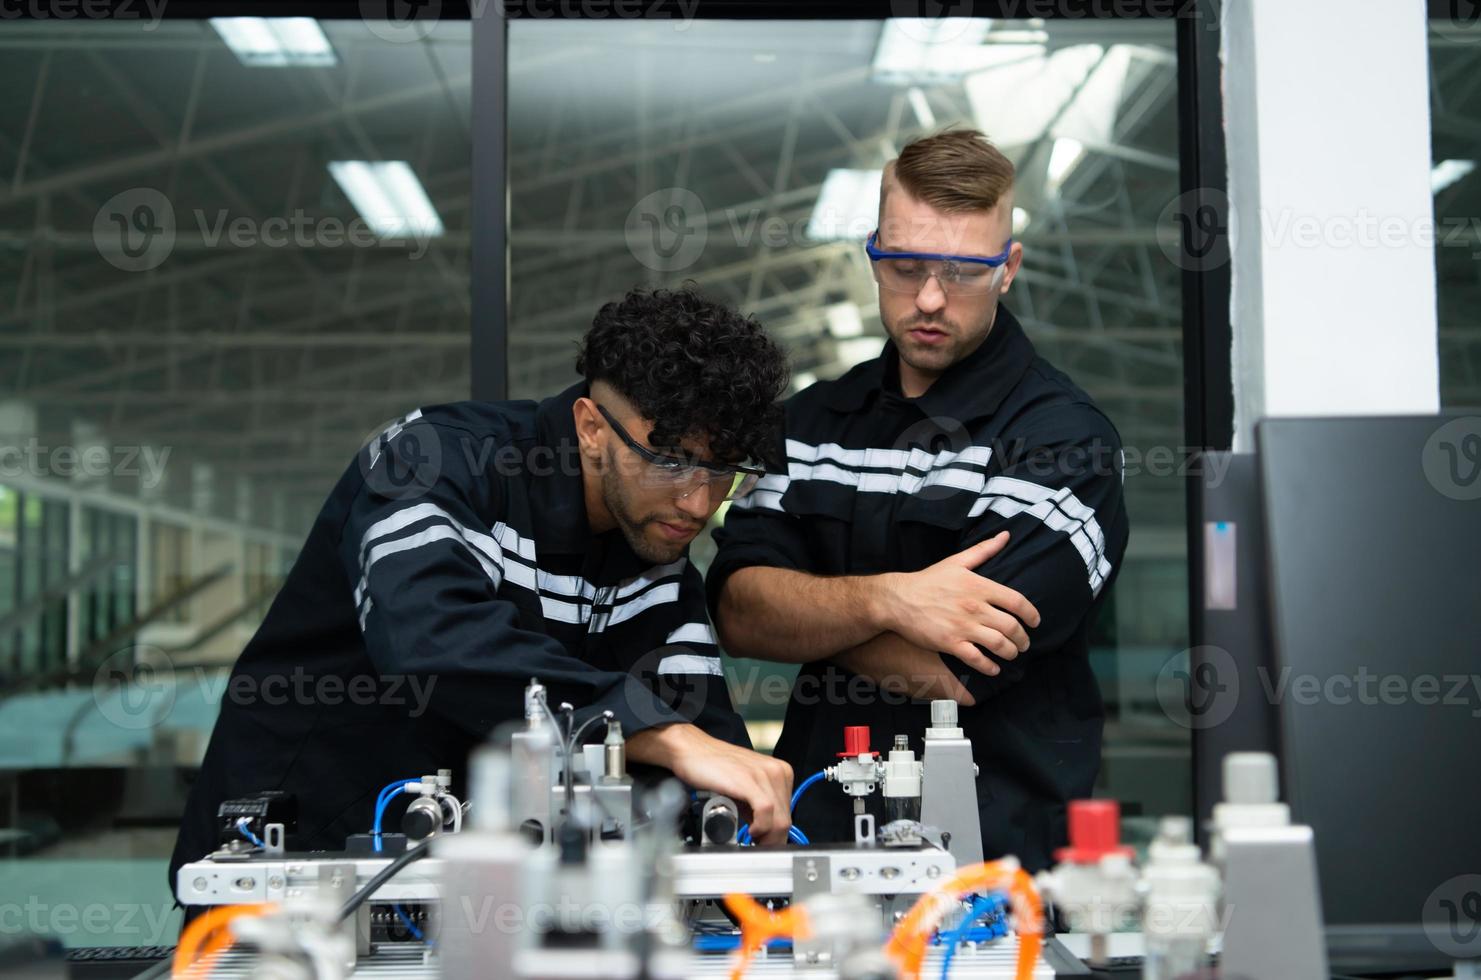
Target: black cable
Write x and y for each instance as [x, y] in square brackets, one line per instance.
[381, 877]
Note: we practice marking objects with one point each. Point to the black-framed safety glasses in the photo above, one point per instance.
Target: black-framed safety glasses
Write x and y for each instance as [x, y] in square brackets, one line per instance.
[684, 476]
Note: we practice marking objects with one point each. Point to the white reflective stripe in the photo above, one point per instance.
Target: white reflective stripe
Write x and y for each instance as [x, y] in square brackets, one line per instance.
[490, 551]
[913, 470]
[655, 596]
[766, 494]
[689, 663]
[439, 532]
[763, 499]
[902, 482]
[1060, 510]
[512, 540]
[563, 612]
[883, 458]
[656, 573]
[692, 633]
[484, 548]
[887, 459]
[401, 519]
[391, 432]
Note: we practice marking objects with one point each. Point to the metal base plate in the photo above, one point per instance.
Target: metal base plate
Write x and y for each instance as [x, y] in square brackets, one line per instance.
[988, 961]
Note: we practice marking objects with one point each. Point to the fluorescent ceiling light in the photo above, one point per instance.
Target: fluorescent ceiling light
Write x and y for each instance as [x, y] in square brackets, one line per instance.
[847, 206]
[276, 42]
[844, 320]
[1075, 91]
[929, 50]
[1447, 172]
[389, 197]
[1020, 37]
[1062, 159]
[1021, 219]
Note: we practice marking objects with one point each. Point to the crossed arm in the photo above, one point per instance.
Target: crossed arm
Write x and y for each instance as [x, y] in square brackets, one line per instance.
[886, 627]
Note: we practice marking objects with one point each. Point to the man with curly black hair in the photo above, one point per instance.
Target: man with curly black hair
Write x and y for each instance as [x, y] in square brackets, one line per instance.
[474, 546]
[705, 381]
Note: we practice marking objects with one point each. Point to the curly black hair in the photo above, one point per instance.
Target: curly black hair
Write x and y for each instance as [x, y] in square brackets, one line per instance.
[696, 368]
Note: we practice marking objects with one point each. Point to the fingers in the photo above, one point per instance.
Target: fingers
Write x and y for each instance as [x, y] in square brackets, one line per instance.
[768, 793]
[991, 639]
[1010, 628]
[968, 654]
[982, 550]
[1012, 601]
[781, 777]
[770, 816]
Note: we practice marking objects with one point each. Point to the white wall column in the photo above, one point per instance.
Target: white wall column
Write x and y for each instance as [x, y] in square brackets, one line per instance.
[1331, 217]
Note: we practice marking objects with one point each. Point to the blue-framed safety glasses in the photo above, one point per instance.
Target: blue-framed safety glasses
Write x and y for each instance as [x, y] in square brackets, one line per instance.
[907, 272]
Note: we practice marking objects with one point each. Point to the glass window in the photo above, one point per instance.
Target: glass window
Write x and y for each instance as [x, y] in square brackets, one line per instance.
[756, 177]
[1455, 114]
[210, 319]
[9, 581]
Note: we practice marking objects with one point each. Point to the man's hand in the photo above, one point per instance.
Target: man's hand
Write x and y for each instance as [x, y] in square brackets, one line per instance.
[761, 784]
[950, 608]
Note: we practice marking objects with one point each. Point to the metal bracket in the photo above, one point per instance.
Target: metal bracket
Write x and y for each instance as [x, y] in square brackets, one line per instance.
[272, 837]
[864, 829]
[810, 876]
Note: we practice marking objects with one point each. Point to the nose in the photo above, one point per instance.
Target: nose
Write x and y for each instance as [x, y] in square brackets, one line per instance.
[931, 298]
[696, 503]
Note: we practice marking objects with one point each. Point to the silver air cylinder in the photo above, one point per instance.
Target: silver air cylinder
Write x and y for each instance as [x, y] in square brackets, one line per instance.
[614, 749]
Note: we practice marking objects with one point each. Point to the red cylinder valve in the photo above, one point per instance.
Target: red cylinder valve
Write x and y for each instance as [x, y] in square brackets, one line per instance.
[855, 742]
[1095, 831]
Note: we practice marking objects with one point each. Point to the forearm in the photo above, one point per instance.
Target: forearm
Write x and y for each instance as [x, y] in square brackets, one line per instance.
[793, 617]
[661, 744]
[901, 667]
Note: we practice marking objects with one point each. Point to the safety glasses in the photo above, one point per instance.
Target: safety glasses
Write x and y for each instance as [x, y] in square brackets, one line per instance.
[907, 272]
[684, 476]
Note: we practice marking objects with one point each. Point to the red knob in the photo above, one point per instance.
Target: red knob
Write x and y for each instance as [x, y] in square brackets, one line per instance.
[1095, 831]
[855, 741]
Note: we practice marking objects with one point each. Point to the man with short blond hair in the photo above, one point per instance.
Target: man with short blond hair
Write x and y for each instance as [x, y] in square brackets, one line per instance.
[950, 518]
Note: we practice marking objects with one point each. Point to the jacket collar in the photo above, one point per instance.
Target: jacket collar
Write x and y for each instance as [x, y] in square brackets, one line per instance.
[972, 388]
